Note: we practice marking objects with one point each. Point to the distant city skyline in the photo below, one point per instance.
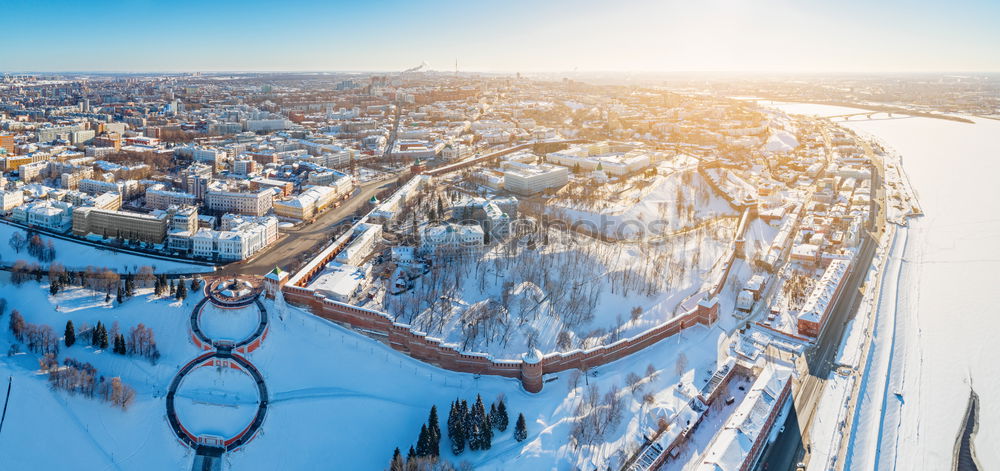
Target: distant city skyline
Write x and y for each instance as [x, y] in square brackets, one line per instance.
[768, 36]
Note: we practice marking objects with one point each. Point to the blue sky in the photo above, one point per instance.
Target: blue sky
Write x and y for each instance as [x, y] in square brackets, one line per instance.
[514, 35]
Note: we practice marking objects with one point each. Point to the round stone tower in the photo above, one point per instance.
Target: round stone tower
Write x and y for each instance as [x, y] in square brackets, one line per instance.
[531, 371]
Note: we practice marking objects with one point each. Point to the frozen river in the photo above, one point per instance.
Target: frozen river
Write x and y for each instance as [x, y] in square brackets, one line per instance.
[945, 314]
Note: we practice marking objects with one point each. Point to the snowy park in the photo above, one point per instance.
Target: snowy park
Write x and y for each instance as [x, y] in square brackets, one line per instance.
[362, 399]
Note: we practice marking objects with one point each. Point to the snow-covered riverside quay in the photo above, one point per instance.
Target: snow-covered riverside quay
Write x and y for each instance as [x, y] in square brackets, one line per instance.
[940, 291]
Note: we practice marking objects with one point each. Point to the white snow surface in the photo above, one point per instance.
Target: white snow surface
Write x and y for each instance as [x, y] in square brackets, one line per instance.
[939, 318]
[781, 141]
[77, 256]
[229, 324]
[337, 398]
[217, 401]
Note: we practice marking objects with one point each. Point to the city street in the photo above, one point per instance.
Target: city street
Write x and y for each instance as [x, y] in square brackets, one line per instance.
[296, 244]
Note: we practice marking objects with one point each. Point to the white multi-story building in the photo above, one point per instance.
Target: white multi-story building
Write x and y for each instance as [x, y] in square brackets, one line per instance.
[11, 199]
[244, 166]
[613, 161]
[207, 155]
[163, 199]
[528, 179]
[308, 203]
[387, 209]
[240, 238]
[126, 188]
[254, 125]
[496, 222]
[366, 236]
[450, 241]
[51, 215]
[183, 224]
[70, 180]
[341, 181]
[253, 204]
[32, 171]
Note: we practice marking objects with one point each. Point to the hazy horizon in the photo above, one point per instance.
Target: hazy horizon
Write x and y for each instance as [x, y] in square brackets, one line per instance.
[772, 36]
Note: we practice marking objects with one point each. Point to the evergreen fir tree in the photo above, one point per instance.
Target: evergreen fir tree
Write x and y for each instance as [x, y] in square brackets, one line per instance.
[468, 426]
[423, 442]
[520, 429]
[434, 432]
[456, 429]
[121, 296]
[157, 287]
[70, 334]
[129, 285]
[195, 284]
[502, 418]
[181, 290]
[411, 454]
[95, 335]
[479, 427]
[397, 461]
[107, 297]
[54, 287]
[173, 288]
[103, 337]
[485, 428]
[493, 414]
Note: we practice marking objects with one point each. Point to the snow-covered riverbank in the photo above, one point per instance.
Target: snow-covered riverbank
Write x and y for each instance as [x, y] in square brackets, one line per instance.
[945, 296]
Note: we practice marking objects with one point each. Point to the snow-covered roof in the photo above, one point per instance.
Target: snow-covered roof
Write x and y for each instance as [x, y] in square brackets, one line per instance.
[821, 296]
[734, 443]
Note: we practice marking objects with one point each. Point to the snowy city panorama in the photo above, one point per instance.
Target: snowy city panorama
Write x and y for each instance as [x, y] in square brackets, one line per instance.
[596, 236]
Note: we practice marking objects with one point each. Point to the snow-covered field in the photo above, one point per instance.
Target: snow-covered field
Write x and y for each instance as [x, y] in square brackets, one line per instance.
[941, 320]
[88, 432]
[337, 398]
[79, 256]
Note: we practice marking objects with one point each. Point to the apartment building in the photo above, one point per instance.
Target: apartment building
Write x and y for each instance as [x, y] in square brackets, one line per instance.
[7, 143]
[239, 239]
[366, 236]
[308, 203]
[207, 155]
[183, 224]
[163, 199]
[120, 224]
[51, 215]
[94, 187]
[613, 160]
[528, 179]
[71, 180]
[10, 199]
[253, 204]
[285, 187]
[33, 171]
[814, 313]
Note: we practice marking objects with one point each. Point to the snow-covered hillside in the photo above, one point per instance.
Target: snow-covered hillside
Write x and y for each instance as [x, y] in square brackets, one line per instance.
[337, 398]
[77, 256]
